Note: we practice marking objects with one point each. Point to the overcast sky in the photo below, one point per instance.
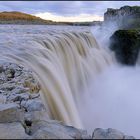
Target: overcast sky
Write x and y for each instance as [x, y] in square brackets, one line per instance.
[65, 10]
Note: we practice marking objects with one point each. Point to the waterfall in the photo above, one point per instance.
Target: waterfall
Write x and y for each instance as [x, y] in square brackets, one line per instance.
[64, 61]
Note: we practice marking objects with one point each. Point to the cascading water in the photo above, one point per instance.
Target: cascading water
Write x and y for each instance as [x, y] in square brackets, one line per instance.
[64, 60]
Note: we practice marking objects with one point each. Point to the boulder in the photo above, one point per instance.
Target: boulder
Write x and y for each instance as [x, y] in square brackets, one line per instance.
[10, 73]
[56, 130]
[33, 105]
[36, 116]
[109, 133]
[2, 99]
[34, 95]
[12, 131]
[129, 137]
[10, 113]
[18, 97]
[15, 79]
[45, 133]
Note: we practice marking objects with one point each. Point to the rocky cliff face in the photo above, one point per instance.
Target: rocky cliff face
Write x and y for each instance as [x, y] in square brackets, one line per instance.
[114, 14]
[125, 17]
[126, 45]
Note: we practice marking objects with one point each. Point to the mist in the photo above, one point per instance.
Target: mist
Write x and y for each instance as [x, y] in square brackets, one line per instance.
[104, 32]
[113, 99]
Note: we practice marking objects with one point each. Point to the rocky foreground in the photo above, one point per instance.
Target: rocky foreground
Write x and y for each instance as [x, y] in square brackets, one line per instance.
[23, 115]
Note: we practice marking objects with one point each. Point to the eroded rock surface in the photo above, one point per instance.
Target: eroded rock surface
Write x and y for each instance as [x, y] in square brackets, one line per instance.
[12, 131]
[10, 113]
[109, 133]
[19, 97]
[57, 130]
[126, 17]
[126, 45]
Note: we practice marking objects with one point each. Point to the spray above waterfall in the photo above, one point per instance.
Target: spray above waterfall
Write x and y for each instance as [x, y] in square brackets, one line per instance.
[103, 32]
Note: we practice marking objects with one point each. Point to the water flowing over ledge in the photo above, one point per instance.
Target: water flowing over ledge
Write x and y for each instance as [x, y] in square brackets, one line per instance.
[64, 62]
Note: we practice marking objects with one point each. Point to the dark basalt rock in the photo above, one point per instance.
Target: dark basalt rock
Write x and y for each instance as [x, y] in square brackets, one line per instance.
[126, 45]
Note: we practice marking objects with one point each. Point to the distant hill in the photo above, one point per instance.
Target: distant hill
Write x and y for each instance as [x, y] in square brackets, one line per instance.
[21, 18]
[15, 17]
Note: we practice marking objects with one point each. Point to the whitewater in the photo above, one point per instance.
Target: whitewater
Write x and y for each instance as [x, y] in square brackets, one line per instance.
[81, 83]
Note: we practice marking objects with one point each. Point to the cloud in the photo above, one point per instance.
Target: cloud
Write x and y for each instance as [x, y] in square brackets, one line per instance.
[64, 8]
[80, 18]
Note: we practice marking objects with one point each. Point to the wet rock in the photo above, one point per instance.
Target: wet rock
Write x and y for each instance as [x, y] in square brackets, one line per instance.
[46, 133]
[129, 137]
[10, 113]
[32, 85]
[16, 79]
[12, 131]
[2, 99]
[8, 87]
[34, 95]
[19, 90]
[36, 116]
[10, 73]
[18, 97]
[77, 133]
[1, 68]
[56, 130]
[33, 105]
[109, 133]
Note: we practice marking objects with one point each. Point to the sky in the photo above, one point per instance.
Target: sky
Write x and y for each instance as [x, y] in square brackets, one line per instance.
[70, 11]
